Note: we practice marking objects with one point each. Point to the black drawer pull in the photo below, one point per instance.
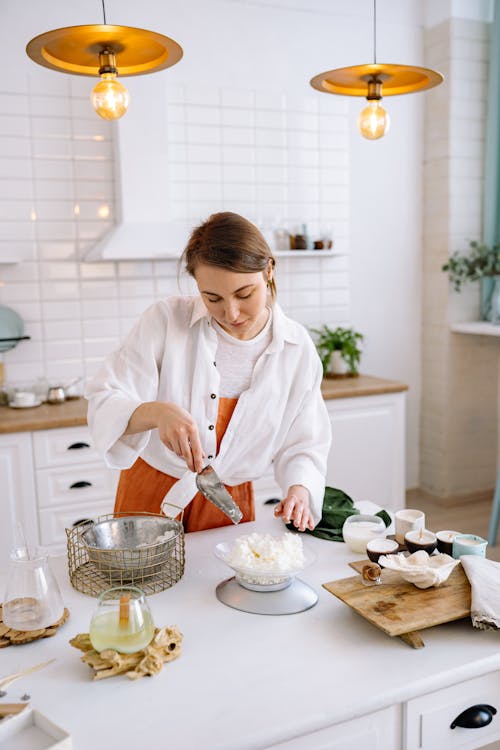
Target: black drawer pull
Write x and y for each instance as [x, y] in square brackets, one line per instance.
[77, 446]
[474, 717]
[83, 521]
[79, 485]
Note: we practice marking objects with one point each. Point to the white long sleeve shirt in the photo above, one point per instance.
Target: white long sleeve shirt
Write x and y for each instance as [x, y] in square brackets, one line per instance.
[169, 355]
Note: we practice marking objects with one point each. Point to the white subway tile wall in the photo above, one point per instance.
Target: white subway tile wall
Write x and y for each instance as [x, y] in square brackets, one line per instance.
[282, 161]
[459, 384]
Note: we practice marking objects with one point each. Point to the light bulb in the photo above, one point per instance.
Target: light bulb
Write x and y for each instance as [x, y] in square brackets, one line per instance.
[373, 121]
[109, 98]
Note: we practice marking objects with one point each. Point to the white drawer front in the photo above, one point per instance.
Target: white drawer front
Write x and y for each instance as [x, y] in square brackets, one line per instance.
[75, 485]
[63, 447]
[377, 731]
[429, 717]
[55, 521]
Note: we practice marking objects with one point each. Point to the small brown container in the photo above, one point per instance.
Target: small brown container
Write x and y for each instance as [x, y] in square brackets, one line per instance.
[445, 541]
[377, 547]
[420, 539]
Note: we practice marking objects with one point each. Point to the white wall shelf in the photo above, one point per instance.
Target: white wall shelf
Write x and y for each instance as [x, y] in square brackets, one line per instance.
[477, 328]
[306, 254]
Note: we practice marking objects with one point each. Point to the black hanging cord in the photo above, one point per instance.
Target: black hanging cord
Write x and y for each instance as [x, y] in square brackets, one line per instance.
[374, 30]
[104, 12]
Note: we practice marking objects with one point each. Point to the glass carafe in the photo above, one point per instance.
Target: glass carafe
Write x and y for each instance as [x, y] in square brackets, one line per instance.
[32, 598]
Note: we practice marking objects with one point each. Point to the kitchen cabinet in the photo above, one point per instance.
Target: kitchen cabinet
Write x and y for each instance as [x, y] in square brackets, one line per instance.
[428, 718]
[51, 480]
[367, 457]
[378, 731]
[72, 481]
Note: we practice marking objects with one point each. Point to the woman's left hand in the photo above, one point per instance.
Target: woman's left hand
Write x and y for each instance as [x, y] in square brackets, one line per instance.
[295, 507]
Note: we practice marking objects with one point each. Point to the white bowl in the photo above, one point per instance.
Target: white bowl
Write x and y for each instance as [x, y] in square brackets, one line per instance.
[261, 580]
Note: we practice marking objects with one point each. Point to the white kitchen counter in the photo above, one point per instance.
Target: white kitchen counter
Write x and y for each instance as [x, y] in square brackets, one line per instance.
[243, 681]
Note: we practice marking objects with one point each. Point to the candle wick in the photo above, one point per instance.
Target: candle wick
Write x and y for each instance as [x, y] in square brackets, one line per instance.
[420, 536]
[124, 609]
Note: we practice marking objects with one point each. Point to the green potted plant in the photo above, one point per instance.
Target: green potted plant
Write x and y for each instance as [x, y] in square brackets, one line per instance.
[481, 263]
[339, 350]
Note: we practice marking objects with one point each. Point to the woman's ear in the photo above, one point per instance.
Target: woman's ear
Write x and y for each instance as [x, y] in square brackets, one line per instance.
[270, 270]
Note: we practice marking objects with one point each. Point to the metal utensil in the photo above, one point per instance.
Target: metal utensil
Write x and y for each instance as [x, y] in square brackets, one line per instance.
[212, 488]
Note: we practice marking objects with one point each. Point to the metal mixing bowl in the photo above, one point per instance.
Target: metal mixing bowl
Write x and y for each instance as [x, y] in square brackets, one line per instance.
[132, 547]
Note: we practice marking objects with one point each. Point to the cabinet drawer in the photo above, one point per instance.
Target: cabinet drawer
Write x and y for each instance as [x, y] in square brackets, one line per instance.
[428, 718]
[376, 731]
[55, 521]
[75, 485]
[63, 447]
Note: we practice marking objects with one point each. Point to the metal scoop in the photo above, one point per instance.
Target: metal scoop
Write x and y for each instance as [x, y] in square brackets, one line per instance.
[212, 488]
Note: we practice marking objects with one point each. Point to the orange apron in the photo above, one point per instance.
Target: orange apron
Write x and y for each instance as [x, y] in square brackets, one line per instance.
[142, 488]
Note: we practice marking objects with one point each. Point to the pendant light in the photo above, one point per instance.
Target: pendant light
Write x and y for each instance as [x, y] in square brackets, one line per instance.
[373, 81]
[107, 51]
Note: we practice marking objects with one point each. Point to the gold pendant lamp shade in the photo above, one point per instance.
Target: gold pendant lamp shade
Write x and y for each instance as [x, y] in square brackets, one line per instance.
[395, 79]
[107, 51]
[374, 81]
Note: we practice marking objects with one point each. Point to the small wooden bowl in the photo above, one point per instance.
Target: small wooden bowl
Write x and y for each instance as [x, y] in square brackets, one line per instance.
[377, 547]
[421, 539]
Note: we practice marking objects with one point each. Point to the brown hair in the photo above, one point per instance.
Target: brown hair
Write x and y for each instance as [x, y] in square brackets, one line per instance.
[231, 242]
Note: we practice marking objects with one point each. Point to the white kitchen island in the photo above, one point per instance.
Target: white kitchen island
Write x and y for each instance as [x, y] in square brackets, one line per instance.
[324, 679]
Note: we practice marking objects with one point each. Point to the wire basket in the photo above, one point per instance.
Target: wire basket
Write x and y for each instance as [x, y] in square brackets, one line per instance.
[154, 565]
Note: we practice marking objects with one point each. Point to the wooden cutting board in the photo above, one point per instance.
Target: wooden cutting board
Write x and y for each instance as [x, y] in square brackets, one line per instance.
[401, 609]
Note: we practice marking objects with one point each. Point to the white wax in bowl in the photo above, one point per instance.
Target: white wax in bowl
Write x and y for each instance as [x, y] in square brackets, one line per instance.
[382, 545]
[470, 542]
[422, 536]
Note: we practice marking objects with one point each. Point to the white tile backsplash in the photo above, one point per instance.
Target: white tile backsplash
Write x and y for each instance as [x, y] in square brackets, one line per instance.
[59, 290]
[277, 159]
[67, 310]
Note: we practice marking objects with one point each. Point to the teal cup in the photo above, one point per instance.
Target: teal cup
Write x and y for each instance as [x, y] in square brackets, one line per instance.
[469, 544]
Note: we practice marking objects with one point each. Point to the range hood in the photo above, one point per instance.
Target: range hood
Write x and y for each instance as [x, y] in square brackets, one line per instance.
[143, 230]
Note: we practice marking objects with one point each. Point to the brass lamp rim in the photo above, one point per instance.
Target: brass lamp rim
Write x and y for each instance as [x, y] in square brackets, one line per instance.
[395, 79]
[75, 49]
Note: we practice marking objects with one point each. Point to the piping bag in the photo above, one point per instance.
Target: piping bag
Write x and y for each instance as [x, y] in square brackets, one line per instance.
[212, 488]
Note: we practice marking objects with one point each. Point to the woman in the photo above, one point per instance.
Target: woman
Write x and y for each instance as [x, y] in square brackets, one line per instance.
[221, 378]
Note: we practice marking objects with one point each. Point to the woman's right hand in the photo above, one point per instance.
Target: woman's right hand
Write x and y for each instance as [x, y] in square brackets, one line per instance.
[179, 433]
[176, 428]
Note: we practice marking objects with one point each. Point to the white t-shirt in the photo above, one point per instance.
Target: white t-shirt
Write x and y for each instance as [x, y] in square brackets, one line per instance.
[280, 421]
[236, 358]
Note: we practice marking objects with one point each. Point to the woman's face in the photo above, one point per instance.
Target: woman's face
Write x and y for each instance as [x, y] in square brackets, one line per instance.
[237, 301]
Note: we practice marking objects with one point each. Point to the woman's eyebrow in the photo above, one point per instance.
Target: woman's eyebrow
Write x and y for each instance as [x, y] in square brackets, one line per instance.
[241, 289]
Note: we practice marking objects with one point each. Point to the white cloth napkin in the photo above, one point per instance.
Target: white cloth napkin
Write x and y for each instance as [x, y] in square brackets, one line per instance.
[484, 579]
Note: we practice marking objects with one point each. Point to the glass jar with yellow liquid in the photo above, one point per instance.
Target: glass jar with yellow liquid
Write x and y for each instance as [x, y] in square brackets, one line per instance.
[122, 621]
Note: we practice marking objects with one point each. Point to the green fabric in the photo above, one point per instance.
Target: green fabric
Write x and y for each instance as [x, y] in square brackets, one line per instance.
[337, 506]
[491, 202]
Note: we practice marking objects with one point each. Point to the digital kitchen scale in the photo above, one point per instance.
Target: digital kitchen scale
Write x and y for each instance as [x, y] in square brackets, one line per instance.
[297, 596]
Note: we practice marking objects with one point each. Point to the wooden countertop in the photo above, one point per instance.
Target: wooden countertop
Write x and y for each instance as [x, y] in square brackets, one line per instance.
[73, 413]
[362, 385]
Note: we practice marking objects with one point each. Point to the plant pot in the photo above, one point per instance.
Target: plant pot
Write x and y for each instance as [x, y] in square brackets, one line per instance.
[490, 299]
[337, 365]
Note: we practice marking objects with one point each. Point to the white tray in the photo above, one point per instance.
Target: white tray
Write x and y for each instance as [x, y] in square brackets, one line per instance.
[31, 730]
